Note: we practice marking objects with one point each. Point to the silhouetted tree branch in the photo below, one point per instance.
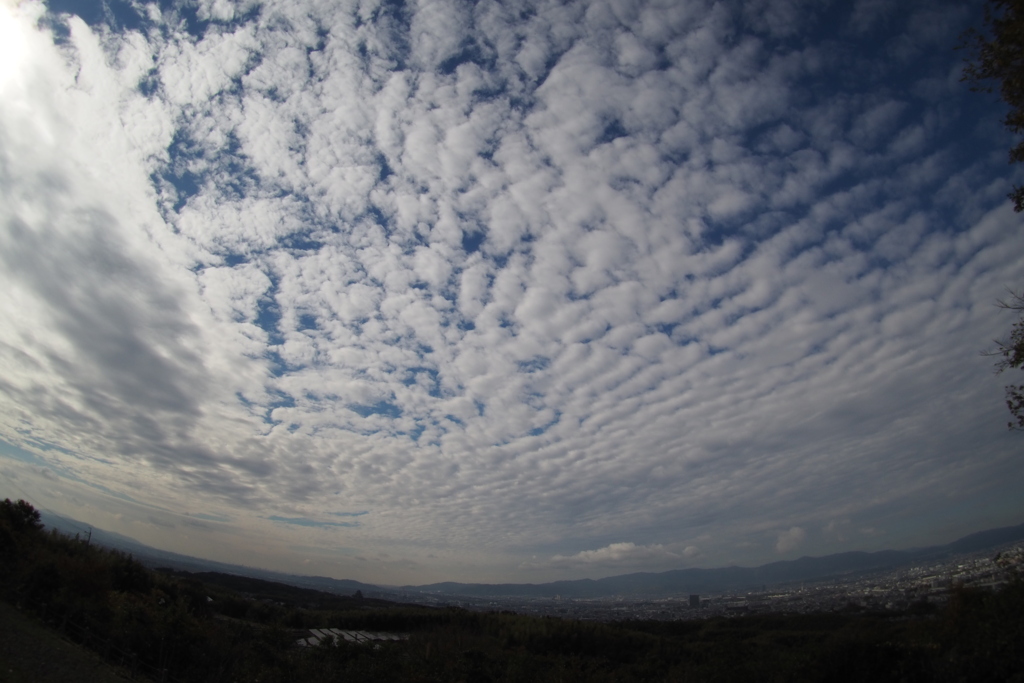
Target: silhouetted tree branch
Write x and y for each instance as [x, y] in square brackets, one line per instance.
[997, 55]
[1012, 357]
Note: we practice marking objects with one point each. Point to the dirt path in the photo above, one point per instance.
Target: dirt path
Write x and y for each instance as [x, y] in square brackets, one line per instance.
[33, 653]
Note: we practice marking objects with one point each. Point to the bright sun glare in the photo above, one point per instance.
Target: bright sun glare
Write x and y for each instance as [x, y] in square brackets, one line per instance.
[13, 45]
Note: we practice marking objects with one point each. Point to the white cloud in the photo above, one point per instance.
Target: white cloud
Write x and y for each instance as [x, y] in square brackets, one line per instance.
[625, 272]
[619, 553]
[790, 540]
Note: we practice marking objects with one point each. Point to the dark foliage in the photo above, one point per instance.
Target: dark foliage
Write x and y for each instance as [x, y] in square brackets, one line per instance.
[1012, 357]
[20, 517]
[996, 54]
[18, 523]
[175, 627]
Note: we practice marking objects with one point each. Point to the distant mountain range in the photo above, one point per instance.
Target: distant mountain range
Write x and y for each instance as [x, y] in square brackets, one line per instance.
[683, 581]
[641, 584]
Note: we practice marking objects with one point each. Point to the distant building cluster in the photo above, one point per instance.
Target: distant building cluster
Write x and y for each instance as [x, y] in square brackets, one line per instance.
[318, 635]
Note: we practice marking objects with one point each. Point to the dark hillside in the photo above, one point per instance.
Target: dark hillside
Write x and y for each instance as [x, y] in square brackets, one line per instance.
[281, 593]
[32, 653]
[179, 628]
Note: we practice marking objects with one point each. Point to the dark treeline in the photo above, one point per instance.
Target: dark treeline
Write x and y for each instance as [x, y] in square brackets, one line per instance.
[176, 627]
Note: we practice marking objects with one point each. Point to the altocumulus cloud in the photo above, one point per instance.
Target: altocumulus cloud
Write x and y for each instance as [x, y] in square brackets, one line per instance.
[517, 278]
[303, 521]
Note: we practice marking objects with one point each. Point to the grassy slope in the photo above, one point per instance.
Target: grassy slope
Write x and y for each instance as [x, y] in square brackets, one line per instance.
[33, 653]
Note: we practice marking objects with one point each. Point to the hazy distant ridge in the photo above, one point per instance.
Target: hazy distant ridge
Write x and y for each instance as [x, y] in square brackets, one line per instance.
[673, 582]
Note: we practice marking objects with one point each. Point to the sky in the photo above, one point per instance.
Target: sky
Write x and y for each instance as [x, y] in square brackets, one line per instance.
[405, 291]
